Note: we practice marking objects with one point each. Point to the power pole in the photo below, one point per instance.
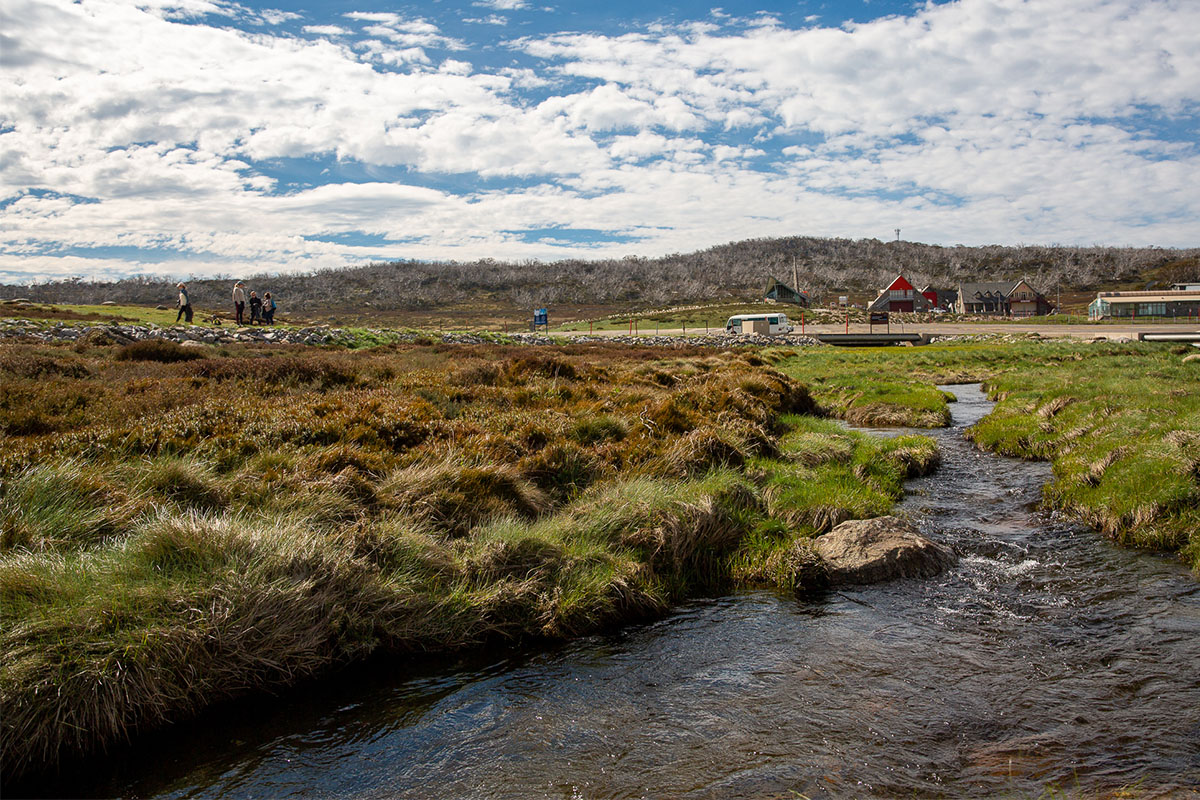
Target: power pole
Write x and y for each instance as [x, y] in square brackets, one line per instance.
[897, 234]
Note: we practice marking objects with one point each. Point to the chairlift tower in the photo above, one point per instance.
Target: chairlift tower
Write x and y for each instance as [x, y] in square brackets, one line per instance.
[897, 234]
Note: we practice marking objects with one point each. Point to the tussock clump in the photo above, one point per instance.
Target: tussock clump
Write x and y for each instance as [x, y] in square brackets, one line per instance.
[34, 365]
[60, 507]
[1186, 441]
[562, 469]
[797, 568]
[669, 416]
[276, 371]
[268, 604]
[813, 448]
[454, 497]
[508, 550]
[883, 414]
[597, 429]
[335, 459]
[403, 548]
[156, 350]
[813, 517]
[189, 483]
[682, 531]
[536, 365]
[1056, 405]
[700, 451]
[913, 455]
[1096, 470]
[480, 373]
[754, 439]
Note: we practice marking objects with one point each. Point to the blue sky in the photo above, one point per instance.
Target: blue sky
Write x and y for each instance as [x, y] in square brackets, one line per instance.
[184, 137]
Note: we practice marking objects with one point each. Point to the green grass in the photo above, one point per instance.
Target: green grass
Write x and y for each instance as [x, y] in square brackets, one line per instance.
[129, 315]
[1124, 439]
[876, 386]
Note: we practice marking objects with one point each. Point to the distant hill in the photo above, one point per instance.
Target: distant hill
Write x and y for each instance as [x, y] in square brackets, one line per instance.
[738, 270]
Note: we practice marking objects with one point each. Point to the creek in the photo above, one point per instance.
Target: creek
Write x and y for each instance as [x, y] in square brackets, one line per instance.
[1048, 659]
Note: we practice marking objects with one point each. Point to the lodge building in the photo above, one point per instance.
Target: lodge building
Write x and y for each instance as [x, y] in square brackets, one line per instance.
[1169, 304]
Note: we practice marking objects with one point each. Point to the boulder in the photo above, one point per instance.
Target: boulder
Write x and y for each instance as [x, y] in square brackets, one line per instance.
[880, 549]
[1192, 357]
[192, 343]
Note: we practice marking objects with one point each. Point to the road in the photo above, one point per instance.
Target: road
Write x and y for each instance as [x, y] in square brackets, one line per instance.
[1063, 331]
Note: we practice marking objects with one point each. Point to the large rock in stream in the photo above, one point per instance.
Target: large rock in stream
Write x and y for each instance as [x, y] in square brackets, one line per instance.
[880, 549]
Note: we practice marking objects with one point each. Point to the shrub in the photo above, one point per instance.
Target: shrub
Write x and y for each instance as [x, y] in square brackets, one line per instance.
[156, 350]
[33, 365]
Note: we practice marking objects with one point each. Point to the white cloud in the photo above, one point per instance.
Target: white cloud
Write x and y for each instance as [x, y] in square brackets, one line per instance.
[490, 19]
[973, 121]
[326, 30]
[503, 5]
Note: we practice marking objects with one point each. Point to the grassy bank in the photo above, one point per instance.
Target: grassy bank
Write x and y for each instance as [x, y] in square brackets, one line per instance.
[1119, 422]
[178, 529]
[1124, 437]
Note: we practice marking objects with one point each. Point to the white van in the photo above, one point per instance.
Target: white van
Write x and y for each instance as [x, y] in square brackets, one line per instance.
[761, 324]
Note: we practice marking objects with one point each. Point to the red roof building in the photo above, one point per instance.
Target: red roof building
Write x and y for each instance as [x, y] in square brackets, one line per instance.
[900, 295]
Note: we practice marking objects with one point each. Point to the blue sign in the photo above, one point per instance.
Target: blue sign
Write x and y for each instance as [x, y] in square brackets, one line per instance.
[541, 317]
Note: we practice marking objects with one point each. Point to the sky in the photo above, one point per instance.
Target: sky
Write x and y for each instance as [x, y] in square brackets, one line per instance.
[213, 137]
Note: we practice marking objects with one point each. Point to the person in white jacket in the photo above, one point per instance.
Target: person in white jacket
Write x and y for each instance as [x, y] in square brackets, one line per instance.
[239, 301]
[185, 305]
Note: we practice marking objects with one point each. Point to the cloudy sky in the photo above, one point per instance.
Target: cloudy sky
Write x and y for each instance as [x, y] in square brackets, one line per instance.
[184, 137]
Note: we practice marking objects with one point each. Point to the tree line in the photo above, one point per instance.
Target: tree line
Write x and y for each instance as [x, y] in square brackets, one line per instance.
[738, 270]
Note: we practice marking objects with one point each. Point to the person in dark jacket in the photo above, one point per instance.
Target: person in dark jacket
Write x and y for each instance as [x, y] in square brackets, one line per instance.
[268, 308]
[185, 305]
[255, 308]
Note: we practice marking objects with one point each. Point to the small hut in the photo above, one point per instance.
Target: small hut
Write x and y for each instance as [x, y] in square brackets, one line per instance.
[779, 292]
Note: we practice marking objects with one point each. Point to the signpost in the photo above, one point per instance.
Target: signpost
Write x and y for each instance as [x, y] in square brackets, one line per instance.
[879, 318]
[541, 318]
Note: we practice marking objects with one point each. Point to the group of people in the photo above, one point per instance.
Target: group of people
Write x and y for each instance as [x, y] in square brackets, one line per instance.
[262, 309]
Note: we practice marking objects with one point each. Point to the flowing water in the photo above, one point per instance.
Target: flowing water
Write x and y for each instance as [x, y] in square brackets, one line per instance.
[1048, 659]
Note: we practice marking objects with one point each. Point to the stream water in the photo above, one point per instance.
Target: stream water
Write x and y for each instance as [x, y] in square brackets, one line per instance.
[1047, 659]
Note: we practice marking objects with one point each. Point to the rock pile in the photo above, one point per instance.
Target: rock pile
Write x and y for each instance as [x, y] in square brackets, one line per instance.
[323, 335]
[123, 334]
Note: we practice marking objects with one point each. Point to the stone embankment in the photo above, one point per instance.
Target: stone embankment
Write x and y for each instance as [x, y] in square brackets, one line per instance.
[123, 334]
[322, 335]
[343, 337]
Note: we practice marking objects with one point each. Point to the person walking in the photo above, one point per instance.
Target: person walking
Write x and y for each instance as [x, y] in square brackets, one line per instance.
[239, 301]
[185, 305]
[255, 308]
[268, 308]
